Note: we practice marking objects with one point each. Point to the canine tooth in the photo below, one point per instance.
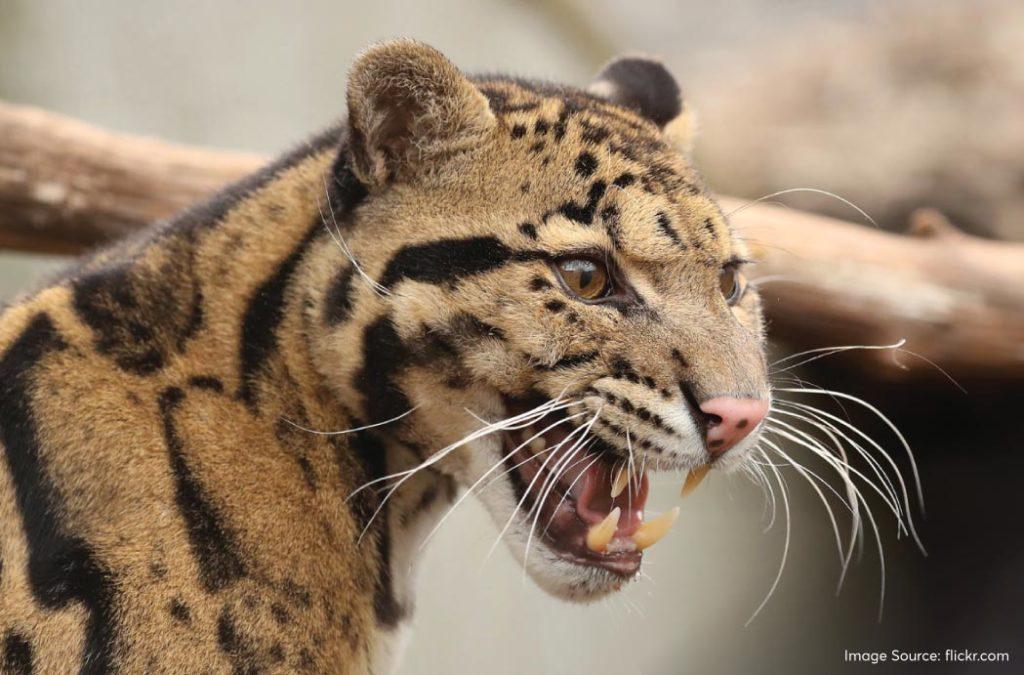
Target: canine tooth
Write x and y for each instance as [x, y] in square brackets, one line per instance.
[620, 482]
[538, 444]
[652, 531]
[599, 535]
[694, 478]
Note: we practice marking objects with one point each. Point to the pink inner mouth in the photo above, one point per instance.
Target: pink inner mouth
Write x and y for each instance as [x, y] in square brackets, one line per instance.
[578, 499]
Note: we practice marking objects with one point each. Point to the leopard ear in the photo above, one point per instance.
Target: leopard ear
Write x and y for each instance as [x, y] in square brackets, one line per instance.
[409, 106]
[645, 85]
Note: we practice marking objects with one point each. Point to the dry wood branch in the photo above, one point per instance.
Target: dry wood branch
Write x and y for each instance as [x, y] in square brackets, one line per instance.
[957, 299]
[65, 185]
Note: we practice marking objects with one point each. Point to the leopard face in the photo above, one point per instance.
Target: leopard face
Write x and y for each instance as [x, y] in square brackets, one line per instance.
[541, 277]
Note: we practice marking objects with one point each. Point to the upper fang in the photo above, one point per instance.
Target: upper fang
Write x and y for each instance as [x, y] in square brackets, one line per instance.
[620, 482]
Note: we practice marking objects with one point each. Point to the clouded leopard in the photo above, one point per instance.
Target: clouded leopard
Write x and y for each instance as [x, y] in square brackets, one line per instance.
[224, 440]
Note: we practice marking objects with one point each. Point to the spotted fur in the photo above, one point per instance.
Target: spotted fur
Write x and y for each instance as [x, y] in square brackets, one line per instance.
[164, 506]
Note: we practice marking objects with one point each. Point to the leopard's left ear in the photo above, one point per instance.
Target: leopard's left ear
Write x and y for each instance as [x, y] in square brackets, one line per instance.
[645, 85]
[409, 109]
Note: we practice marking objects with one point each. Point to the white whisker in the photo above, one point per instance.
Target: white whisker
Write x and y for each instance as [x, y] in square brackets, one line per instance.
[339, 239]
[823, 352]
[536, 413]
[499, 463]
[813, 417]
[568, 490]
[892, 427]
[812, 444]
[804, 189]
[526, 492]
[350, 431]
[785, 548]
[552, 478]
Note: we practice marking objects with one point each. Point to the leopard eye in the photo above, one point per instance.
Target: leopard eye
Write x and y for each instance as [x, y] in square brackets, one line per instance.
[584, 277]
[732, 284]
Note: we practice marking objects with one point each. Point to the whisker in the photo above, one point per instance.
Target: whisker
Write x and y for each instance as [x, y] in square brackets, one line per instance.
[832, 432]
[823, 352]
[499, 463]
[490, 427]
[871, 518]
[545, 493]
[804, 189]
[551, 481]
[815, 447]
[754, 475]
[526, 492]
[339, 239]
[785, 548]
[936, 367]
[571, 486]
[856, 524]
[852, 506]
[351, 431]
[805, 474]
[892, 427]
[537, 413]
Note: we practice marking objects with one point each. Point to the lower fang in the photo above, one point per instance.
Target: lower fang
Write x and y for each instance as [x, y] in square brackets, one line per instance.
[694, 478]
[538, 444]
[599, 535]
[651, 532]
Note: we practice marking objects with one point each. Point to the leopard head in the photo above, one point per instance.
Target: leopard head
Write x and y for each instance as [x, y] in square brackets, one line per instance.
[539, 275]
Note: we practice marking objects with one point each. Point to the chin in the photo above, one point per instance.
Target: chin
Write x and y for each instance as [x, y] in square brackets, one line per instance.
[567, 576]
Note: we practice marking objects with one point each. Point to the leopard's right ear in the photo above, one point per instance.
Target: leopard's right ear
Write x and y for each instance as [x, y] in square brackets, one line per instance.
[409, 107]
[644, 85]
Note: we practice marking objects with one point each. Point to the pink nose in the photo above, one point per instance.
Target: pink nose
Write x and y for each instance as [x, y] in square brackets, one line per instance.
[731, 420]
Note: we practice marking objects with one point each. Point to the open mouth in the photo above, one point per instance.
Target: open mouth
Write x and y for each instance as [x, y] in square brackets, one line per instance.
[585, 502]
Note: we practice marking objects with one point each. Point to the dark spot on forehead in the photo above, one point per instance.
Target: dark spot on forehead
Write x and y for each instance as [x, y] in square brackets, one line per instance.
[594, 134]
[665, 225]
[569, 108]
[541, 127]
[586, 164]
[518, 131]
[585, 214]
[610, 218]
[624, 180]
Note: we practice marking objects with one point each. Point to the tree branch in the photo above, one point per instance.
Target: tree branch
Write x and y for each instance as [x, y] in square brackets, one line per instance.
[958, 300]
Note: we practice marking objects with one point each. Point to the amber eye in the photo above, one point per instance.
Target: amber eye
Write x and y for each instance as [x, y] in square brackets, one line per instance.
[585, 278]
[732, 283]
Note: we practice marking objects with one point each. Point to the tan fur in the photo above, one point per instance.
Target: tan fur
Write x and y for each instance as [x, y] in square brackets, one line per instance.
[117, 414]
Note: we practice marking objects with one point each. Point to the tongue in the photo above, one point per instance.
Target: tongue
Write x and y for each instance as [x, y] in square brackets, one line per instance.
[594, 499]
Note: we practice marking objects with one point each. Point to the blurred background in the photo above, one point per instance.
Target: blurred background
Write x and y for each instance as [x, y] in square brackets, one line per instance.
[891, 105]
